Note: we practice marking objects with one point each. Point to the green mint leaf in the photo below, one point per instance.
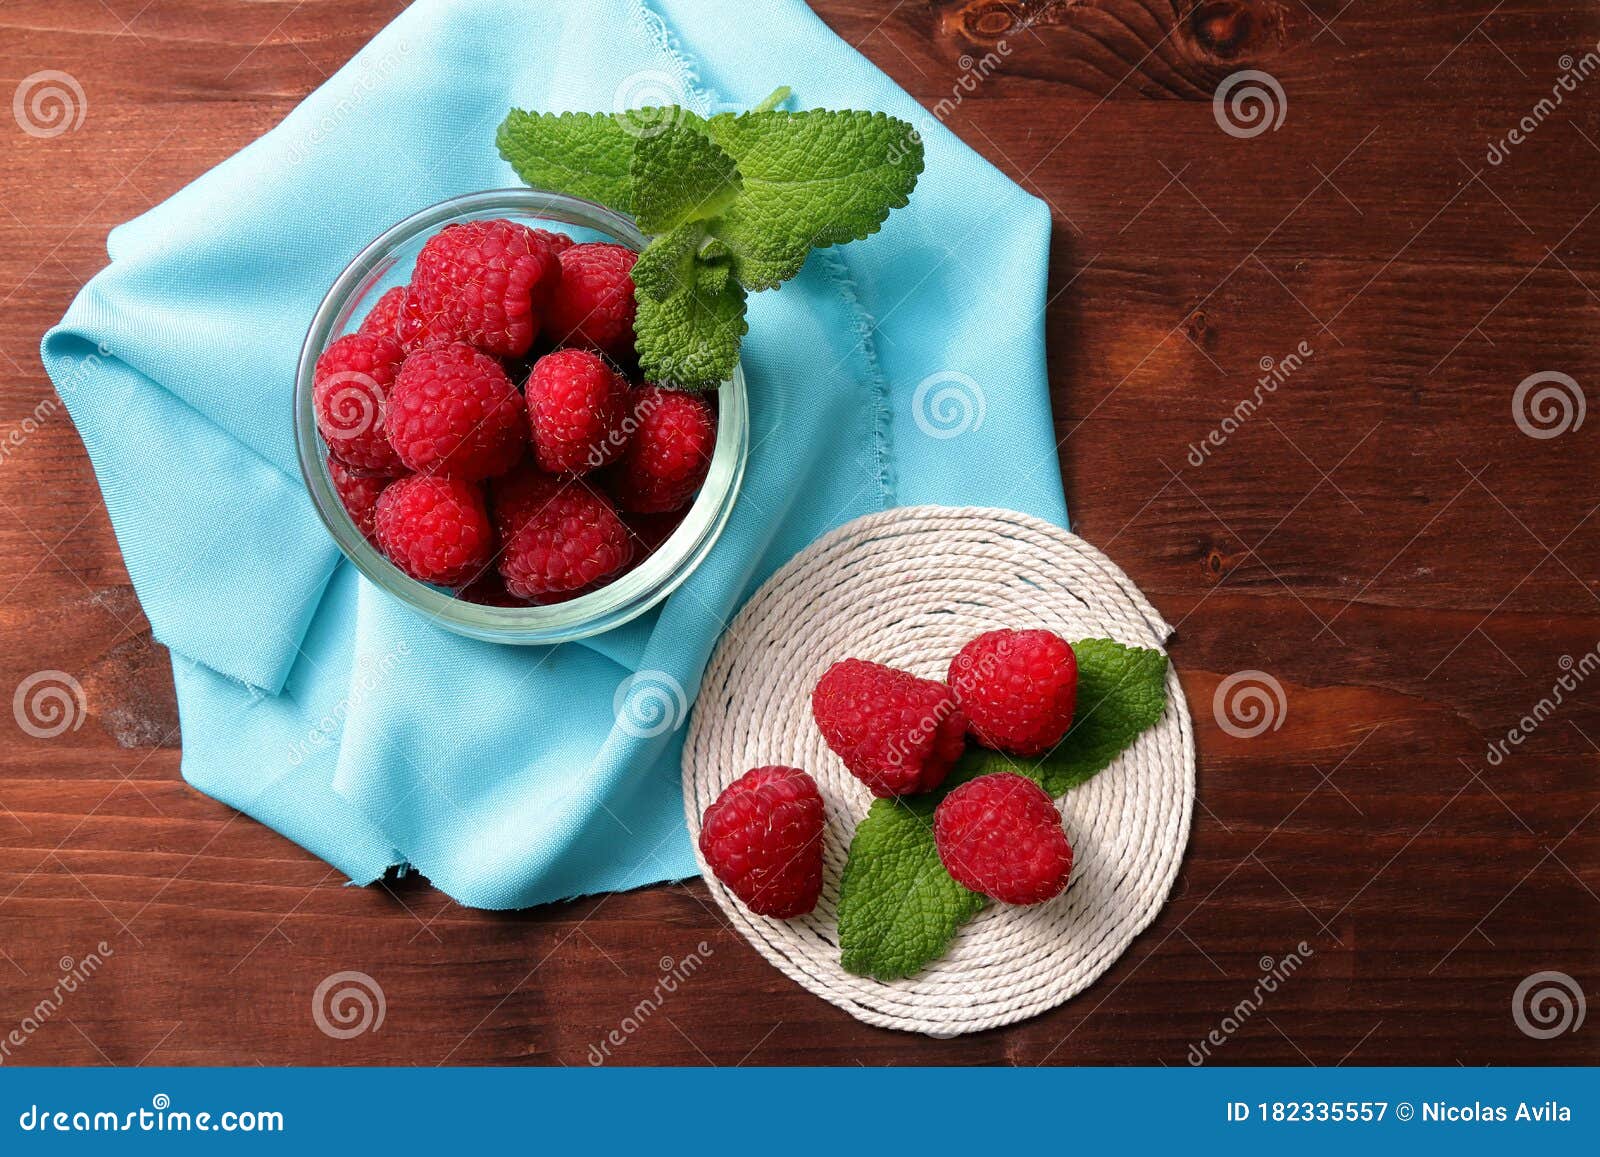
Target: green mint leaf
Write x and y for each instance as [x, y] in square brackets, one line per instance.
[579, 153]
[1121, 691]
[691, 312]
[811, 179]
[680, 175]
[898, 907]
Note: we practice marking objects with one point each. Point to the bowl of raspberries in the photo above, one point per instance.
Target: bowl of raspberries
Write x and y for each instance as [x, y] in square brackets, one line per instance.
[476, 434]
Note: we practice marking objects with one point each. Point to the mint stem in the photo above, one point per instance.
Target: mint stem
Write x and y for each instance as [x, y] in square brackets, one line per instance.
[774, 99]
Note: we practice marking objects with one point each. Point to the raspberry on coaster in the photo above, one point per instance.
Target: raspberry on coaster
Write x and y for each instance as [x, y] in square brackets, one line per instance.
[435, 529]
[358, 492]
[593, 303]
[453, 411]
[383, 319]
[349, 392]
[483, 282]
[1001, 835]
[559, 538]
[577, 412]
[1018, 689]
[669, 452]
[762, 837]
[896, 733]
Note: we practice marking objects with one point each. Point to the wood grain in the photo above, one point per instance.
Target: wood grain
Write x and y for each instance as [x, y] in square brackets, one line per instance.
[1379, 537]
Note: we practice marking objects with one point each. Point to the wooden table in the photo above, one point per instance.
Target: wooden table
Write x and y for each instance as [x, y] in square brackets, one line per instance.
[1379, 536]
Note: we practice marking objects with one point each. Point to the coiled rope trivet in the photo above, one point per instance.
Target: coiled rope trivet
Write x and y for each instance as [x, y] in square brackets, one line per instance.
[908, 587]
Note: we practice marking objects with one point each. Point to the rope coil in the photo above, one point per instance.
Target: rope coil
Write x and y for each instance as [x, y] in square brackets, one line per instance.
[909, 587]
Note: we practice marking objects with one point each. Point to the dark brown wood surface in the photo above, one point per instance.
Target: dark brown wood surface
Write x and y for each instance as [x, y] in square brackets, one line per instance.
[1380, 537]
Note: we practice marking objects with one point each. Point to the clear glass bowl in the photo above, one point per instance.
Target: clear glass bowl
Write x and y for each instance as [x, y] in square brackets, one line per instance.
[388, 261]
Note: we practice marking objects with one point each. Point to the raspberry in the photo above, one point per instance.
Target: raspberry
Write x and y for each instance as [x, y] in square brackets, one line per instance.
[896, 733]
[435, 529]
[560, 538]
[454, 412]
[383, 319]
[762, 837]
[674, 436]
[1001, 835]
[577, 409]
[483, 282]
[1018, 689]
[358, 492]
[349, 391]
[593, 304]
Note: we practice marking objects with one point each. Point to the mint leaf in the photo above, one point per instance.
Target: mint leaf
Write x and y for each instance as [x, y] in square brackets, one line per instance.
[680, 175]
[811, 179]
[898, 907]
[579, 153]
[691, 312]
[1121, 691]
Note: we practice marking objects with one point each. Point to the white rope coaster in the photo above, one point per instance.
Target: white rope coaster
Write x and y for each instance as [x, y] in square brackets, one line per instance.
[909, 587]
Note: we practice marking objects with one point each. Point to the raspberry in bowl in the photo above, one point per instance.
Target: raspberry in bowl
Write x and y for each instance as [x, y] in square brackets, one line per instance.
[475, 434]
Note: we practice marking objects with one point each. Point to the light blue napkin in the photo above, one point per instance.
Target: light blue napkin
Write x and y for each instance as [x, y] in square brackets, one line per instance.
[908, 368]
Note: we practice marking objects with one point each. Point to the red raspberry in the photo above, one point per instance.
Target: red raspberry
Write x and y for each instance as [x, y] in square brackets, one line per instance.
[435, 529]
[577, 409]
[558, 242]
[1001, 835]
[358, 492]
[674, 437]
[349, 390]
[896, 733]
[1018, 689]
[383, 319]
[453, 411]
[560, 538]
[593, 303]
[762, 837]
[483, 282]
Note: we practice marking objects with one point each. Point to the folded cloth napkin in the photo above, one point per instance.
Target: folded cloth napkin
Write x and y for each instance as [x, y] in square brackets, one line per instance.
[908, 368]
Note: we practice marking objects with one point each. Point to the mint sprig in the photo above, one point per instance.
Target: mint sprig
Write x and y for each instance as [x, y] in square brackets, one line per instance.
[898, 906]
[732, 202]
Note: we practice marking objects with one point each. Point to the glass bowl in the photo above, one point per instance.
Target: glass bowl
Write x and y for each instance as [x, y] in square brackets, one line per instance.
[387, 261]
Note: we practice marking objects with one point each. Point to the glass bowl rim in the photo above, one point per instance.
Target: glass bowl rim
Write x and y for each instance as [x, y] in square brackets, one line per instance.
[612, 605]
